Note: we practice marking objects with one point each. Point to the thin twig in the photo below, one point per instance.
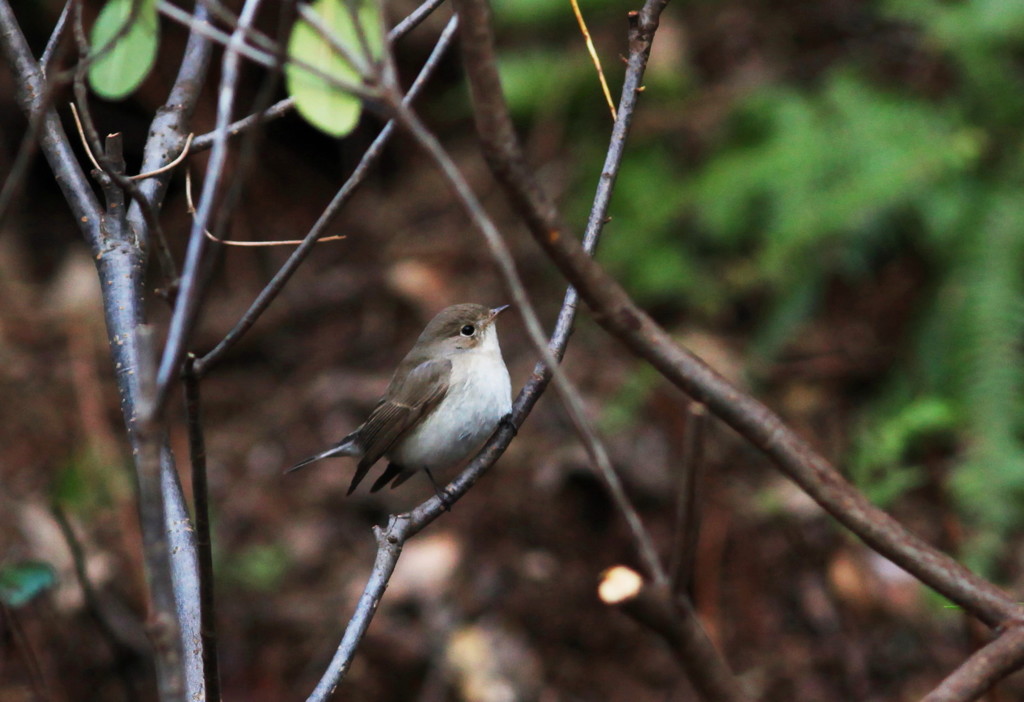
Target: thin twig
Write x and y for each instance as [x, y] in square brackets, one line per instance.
[164, 169]
[258, 56]
[674, 620]
[23, 645]
[191, 209]
[615, 311]
[687, 527]
[121, 643]
[275, 111]
[247, 153]
[53, 44]
[195, 274]
[403, 527]
[255, 244]
[81, 136]
[15, 180]
[270, 292]
[31, 92]
[593, 56]
[283, 107]
[414, 19]
[571, 399]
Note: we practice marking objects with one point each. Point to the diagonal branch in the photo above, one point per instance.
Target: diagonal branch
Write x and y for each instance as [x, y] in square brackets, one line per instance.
[330, 213]
[31, 92]
[283, 107]
[403, 527]
[197, 265]
[983, 669]
[614, 310]
[571, 400]
[676, 622]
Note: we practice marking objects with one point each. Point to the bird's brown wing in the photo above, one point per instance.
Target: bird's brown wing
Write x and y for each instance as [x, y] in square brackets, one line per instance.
[404, 406]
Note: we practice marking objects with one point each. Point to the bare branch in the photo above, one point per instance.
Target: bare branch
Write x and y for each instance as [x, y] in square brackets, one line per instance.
[676, 623]
[403, 527]
[283, 107]
[571, 400]
[162, 623]
[389, 547]
[615, 311]
[31, 91]
[687, 527]
[196, 271]
[124, 641]
[56, 36]
[275, 111]
[164, 169]
[594, 58]
[27, 149]
[204, 542]
[984, 669]
[316, 233]
[414, 19]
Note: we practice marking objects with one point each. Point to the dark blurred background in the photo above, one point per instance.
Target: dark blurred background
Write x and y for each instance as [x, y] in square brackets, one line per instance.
[821, 199]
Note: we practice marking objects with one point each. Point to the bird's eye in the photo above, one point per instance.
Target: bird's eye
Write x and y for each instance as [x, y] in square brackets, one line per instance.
[468, 330]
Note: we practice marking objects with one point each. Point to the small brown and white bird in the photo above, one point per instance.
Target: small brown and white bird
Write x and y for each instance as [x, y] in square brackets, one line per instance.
[445, 399]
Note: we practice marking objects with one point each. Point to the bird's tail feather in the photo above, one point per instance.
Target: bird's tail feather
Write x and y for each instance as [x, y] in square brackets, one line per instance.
[349, 446]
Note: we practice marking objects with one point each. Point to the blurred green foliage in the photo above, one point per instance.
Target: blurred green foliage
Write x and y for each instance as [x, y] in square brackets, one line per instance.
[824, 180]
[260, 567]
[87, 484]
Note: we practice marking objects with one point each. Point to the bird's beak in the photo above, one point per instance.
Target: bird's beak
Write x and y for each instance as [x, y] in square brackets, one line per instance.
[498, 310]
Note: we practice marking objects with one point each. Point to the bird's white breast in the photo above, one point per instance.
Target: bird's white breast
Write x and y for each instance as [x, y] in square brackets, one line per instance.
[479, 395]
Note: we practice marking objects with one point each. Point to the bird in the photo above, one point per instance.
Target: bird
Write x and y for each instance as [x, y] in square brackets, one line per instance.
[446, 397]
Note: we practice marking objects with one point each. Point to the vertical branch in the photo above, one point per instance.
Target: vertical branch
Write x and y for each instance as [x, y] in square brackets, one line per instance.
[162, 622]
[119, 246]
[169, 129]
[197, 265]
[204, 542]
[687, 528]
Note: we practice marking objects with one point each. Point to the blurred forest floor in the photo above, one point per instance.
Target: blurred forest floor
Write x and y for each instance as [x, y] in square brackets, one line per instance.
[497, 600]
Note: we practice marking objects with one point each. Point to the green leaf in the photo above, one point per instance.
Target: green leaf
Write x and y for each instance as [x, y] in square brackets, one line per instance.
[20, 582]
[123, 57]
[323, 104]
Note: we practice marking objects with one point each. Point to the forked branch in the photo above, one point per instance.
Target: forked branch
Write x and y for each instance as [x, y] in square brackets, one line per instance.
[618, 314]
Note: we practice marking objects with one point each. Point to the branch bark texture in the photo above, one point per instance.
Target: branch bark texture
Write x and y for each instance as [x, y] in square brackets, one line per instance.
[618, 314]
